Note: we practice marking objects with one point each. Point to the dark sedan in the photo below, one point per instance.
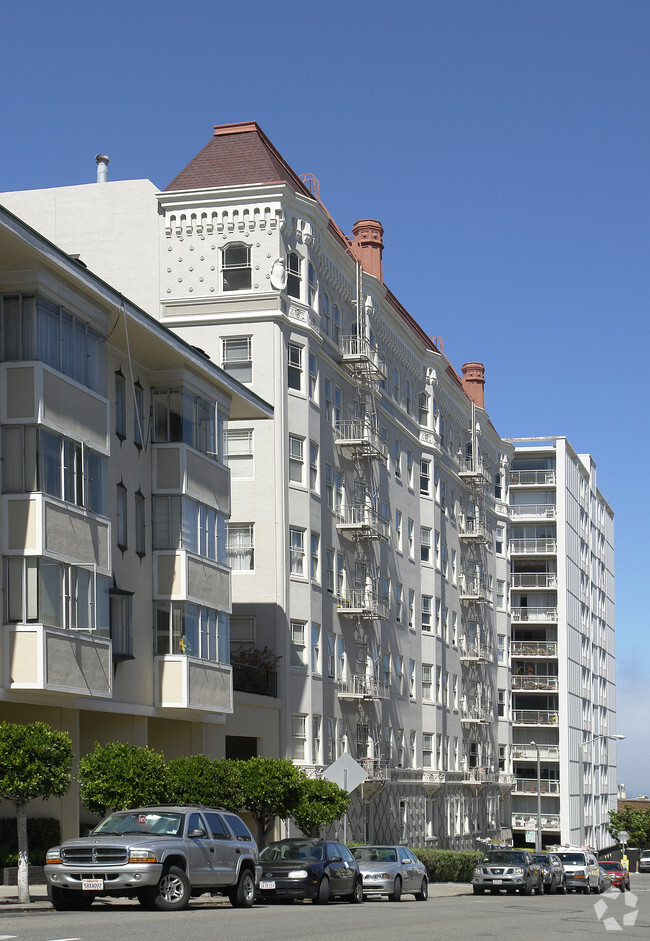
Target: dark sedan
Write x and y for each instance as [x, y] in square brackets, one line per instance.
[553, 875]
[309, 869]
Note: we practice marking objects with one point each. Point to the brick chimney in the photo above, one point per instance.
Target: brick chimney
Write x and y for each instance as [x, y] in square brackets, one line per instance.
[368, 246]
[473, 382]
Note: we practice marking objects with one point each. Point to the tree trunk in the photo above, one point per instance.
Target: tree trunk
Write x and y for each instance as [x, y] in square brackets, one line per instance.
[23, 865]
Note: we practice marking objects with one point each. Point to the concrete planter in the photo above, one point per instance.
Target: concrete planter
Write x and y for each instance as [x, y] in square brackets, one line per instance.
[35, 875]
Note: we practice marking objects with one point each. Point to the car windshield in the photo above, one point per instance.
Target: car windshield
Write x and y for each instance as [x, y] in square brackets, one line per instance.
[290, 849]
[375, 854]
[542, 858]
[504, 857]
[573, 859]
[610, 867]
[150, 822]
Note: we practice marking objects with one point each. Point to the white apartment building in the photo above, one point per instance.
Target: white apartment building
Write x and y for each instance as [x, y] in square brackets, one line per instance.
[370, 525]
[562, 648]
[113, 512]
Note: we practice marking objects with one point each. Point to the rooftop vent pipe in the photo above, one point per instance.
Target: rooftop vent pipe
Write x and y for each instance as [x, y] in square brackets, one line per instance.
[102, 168]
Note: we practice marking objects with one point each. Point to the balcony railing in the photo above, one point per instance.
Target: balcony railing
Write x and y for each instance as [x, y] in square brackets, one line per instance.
[529, 752]
[534, 683]
[526, 648]
[474, 468]
[476, 714]
[358, 686]
[544, 546]
[473, 529]
[534, 717]
[535, 510]
[475, 651]
[362, 603]
[361, 438]
[529, 786]
[473, 589]
[534, 580]
[529, 821]
[534, 614]
[247, 678]
[363, 358]
[532, 478]
[362, 521]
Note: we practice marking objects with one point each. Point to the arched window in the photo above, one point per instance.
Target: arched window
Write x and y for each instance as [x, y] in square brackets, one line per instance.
[236, 267]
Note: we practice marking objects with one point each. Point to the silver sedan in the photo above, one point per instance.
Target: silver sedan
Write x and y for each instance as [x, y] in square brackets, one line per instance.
[391, 871]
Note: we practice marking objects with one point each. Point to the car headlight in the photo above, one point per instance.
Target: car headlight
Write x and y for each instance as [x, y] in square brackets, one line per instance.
[142, 856]
[579, 874]
[517, 871]
[478, 871]
[297, 874]
[53, 857]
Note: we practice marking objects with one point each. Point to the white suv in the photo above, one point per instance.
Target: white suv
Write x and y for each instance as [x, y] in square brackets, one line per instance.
[581, 870]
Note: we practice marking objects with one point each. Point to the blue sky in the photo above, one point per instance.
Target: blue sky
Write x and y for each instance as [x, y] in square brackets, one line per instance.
[503, 144]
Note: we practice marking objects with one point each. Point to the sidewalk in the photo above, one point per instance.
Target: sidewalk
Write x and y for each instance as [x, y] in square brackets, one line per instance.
[39, 900]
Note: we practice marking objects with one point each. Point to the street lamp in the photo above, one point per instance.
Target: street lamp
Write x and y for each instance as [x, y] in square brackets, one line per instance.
[581, 748]
[538, 832]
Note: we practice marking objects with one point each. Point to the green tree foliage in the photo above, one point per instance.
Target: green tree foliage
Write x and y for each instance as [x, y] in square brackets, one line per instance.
[196, 779]
[35, 762]
[118, 775]
[321, 803]
[634, 822]
[272, 787]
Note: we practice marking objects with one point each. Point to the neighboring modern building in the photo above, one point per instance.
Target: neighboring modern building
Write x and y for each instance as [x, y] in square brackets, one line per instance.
[115, 499]
[369, 531]
[562, 648]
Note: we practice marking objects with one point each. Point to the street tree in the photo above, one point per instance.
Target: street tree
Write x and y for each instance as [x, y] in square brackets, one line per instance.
[635, 822]
[197, 779]
[272, 787]
[35, 763]
[118, 775]
[321, 803]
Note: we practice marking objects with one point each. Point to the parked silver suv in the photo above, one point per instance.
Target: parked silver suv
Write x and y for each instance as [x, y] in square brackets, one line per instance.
[160, 855]
[512, 870]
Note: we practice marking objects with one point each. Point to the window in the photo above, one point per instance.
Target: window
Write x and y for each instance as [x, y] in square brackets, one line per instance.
[498, 486]
[315, 557]
[411, 608]
[443, 497]
[499, 540]
[298, 647]
[445, 624]
[121, 622]
[338, 492]
[316, 723]
[315, 648]
[413, 740]
[313, 465]
[501, 703]
[122, 529]
[398, 603]
[400, 748]
[32, 328]
[311, 285]
[297, 551]
[501, 648]
[191, 629]
[298, 737]
[409, 469]
[425, 545]
[454, 574]
[426, 613]
[407, 403]
[296, 459]
[501, 594]
[427, 750]
[436, 548]
[423, 409]
[327, 400]
[313, 377]
[398, 530]
[399, 674]
[454, 694]
[425, 477]
[325, 315]
[443, 560]
[238, 358]
[454, 628]
[336, 325]
[140, 527]
[340, 574]
[338, 405]
[179, 415]
[412, 679]
[236, 267]
[239, 452]
[183, 523]
[439, 685]
[438, 617]
[294, 377]
[56, 594]
[241, 547]
[242, 633]
[397, 457]
[410, 531]
[138, 414]
[293, 275]
[396, 384]
[329, 486]
[120, 405]
[329, 566]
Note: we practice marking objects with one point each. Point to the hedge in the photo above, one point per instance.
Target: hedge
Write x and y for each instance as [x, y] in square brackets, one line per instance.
[448, 865]
[42, 833]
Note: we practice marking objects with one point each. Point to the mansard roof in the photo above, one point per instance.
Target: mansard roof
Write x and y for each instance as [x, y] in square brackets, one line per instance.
[237, 155]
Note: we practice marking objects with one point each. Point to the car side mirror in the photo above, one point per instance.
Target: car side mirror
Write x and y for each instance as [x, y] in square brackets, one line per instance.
[336, 859]
[197, 834]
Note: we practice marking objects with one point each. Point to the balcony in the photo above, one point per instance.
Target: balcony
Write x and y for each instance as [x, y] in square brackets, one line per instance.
[474, 470]
[247, 678]
[525, 648]
[529, 786]
[534, 614]
[529, 752]
[529, 821]
[532, 478]
[363, 359]
[357, 686]
[473, 589]
[535, 684]
[362, 522]
[362, 603]
[38, 657]
[361, 439]
[534, 717]
[534, 580]
[476, 715]
[475, 652]
[545, 546]
[183, 682]
[545, 511]
[474, 530]
[179, 468]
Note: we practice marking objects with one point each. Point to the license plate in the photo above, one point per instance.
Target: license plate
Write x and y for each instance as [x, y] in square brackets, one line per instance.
[92, 885]
[267, 885]
[497, 881]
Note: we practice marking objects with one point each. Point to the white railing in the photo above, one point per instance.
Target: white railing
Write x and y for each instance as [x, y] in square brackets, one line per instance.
[476, 714]
[527, 648]
[529, 752]
[534, 580]
[529, 821]
[355, 349]
[475, 651]
[535, 683]
[359, 434]
[358, 686]
[537, 510]
[532, 478]
[534, 614]
[529, 786]
[364, 519]
[534, 717]
[473, 467]
[473, 588]
[472, 528]
[544, 546]
[362, 602]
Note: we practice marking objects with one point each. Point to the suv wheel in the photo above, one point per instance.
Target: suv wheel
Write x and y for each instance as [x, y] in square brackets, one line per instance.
[173, 890]
[527, 889]
[243, 894]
